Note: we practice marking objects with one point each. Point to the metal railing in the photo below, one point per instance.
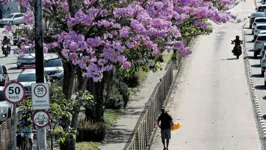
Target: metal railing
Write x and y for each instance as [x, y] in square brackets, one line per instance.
[145, 128]
[6, 139]
[142, 134]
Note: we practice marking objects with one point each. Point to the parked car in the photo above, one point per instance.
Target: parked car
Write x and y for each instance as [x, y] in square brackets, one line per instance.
[259, 44]
[253, 16]
[6, 109]
[12, 19]
[26, 57]
[27, 77]
[258, 28]
[53, 66]
[261, 8]
[258, 20]
[4, 78]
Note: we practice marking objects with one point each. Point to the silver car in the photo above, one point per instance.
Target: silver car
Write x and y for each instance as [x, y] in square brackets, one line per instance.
[12, 19]
[27, 77]
[53, 66]
[26, 57]
[6, 109]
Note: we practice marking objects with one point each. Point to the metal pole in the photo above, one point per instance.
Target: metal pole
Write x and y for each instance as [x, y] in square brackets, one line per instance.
[15, 127]
[41, 132]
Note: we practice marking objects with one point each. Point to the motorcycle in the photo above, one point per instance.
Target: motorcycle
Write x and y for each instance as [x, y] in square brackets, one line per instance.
[6, 50]
[237, 51]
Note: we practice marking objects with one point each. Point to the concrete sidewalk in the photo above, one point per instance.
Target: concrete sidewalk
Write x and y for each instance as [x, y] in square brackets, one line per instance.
[118, 136]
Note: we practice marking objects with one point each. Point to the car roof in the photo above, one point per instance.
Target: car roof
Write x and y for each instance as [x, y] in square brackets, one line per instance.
[257, 13]
[261, 24]
[28, 71]
[260, 18]
[49, 56]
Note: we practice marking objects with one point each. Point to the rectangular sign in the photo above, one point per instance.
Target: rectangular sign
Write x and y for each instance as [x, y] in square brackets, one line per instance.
[40, 96]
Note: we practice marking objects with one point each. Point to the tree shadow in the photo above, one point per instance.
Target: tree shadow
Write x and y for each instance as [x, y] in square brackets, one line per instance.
[256, 66]
[264, 98]
[256, 76]
[260, 87]
[251, 50]
[248, 34]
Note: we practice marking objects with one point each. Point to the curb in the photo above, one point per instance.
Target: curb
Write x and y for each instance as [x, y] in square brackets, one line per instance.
[254, 98]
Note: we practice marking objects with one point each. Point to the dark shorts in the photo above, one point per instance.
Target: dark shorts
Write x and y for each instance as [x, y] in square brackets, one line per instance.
[166, 133]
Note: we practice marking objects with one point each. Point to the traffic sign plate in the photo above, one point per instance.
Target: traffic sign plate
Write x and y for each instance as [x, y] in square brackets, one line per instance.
[14, 92]
[40, 96]
[41, 118]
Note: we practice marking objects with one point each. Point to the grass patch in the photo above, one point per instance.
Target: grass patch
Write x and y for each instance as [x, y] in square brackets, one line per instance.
[87, 146]
[167, 57]
[111, 116]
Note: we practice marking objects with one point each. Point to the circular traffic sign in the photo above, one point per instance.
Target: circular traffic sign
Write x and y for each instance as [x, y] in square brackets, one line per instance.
[14, 92]
[40, 91]
[41, 118]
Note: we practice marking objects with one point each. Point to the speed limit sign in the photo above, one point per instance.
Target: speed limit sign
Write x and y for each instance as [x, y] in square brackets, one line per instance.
[14, 92]
[40, 96]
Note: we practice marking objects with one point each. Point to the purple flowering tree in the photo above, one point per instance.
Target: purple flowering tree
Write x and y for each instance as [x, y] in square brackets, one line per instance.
[95, 38]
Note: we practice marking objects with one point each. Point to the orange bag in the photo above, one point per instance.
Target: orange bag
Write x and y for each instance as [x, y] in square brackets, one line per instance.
[176, 126]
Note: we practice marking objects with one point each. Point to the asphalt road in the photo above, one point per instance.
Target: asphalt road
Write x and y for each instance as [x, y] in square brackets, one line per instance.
[212, 98]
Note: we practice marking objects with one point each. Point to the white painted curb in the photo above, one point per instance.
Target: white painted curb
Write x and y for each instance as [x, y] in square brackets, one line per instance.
[253, 93]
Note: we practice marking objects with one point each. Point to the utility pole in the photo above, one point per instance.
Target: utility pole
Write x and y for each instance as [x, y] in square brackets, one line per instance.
[41, 132]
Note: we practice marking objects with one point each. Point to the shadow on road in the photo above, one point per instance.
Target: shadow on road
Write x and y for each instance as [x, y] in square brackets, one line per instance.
[13, 68]
[248, 34]
[246, 28]
[13, 72]
[256, 76]
[260, 87]
[249, 42]
[264, 97]
[251, 57]
[230, 59]
[251, 50]
[256, 66]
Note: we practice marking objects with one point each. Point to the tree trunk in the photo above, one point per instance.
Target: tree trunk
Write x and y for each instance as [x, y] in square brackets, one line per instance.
[68, 85]
[69, 76]
[96, 89]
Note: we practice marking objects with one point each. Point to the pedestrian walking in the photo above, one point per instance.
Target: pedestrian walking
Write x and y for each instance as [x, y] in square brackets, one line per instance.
[165, 123]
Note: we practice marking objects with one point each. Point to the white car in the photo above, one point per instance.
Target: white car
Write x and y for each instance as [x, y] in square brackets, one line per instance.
[6, 109]
[26, 57]
[53, 66]
[259, 44]
[258, 20]
[253, 16]
[12, 19]
[259, 28]
[27, 77]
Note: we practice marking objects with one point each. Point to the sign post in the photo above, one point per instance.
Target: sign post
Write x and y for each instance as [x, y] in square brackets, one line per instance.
[14, 93]
[40, 96]
[40, 101]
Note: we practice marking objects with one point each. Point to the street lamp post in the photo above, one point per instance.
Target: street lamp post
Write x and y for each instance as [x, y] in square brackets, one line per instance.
[41, 132]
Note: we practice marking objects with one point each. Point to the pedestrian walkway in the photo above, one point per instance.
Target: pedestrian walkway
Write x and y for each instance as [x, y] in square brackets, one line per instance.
[212, 99]
[119, 134]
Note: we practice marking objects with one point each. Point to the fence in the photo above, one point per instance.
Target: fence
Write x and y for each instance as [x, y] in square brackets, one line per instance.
[145, 130]
[6, 139]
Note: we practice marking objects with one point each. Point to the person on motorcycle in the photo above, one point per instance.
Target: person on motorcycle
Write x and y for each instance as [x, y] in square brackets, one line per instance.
[26, 127]
[237, 42]
[4, 42]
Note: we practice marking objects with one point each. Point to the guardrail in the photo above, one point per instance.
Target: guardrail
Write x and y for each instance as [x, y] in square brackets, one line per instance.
[6, 139]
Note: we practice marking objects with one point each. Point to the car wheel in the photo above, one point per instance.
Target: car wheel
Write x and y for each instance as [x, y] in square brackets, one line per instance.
[10, 23]
[255, 55]
[9, 113]
[262, 72]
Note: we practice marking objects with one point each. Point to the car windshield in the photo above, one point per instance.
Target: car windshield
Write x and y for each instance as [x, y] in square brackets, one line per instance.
[27, 77]
[261, 20]
[258, 14]
[261, 27]
[28, 50]
[262, 38]
[2, 98]
[53, 63]
[9, 16]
